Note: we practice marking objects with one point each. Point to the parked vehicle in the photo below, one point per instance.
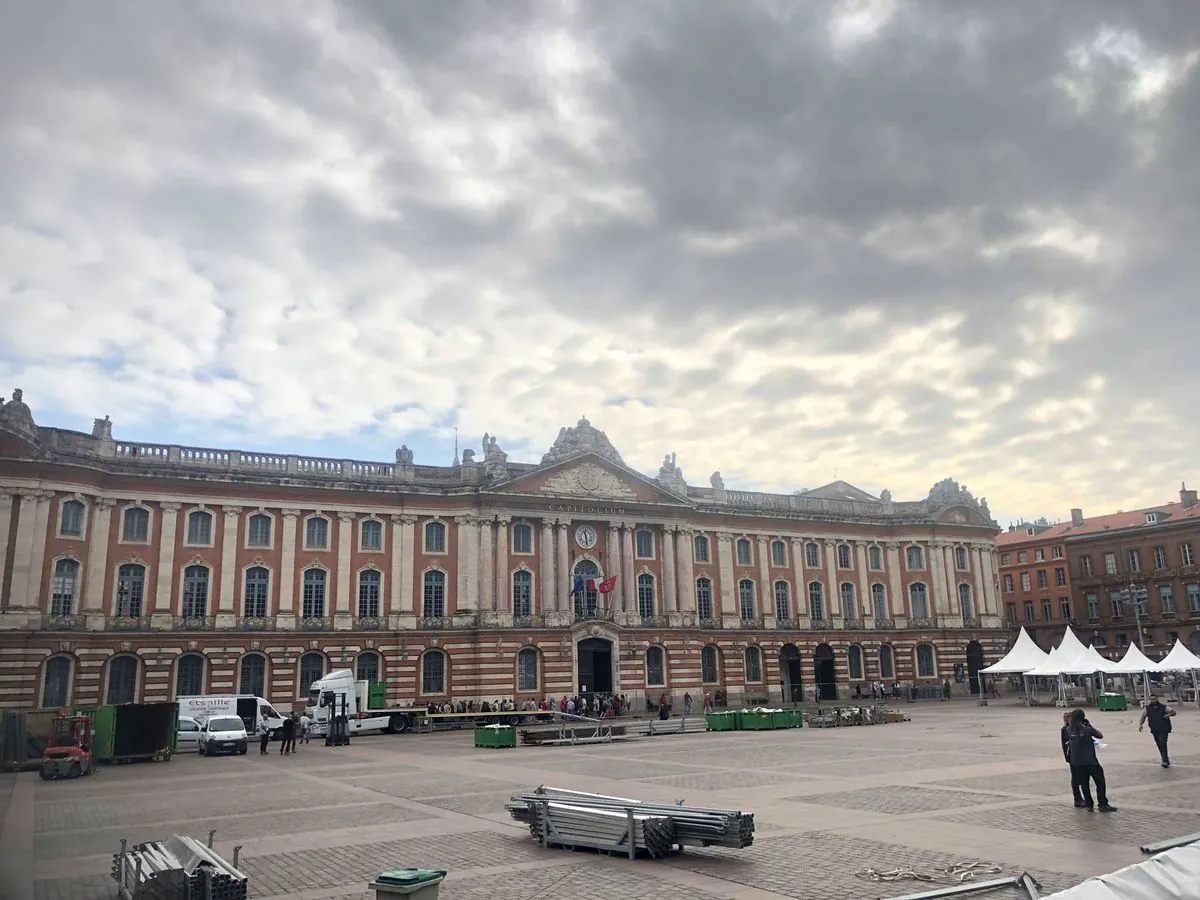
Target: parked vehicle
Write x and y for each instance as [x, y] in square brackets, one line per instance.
[133, 731]
[223, 734]
[365, 705]
[187, 735]
[246, 707]
[69, 754]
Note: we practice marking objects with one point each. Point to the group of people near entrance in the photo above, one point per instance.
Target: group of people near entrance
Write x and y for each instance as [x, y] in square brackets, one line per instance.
[1081, 740]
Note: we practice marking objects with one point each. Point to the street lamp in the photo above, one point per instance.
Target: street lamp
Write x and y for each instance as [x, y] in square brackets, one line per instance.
[1136, 598]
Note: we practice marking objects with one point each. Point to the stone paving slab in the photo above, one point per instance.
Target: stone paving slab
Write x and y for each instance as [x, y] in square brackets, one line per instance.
[899, 801]
[1125, 826]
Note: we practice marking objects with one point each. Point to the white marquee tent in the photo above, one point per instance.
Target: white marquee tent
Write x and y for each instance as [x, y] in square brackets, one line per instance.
[1134, 662]
[1063, 659]
[1180, 659]
[1023, 656]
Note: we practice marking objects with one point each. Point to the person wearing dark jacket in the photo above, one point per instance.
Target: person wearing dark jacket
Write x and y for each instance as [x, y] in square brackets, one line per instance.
[1065, 741]
[1159, 716]
[1081, 749]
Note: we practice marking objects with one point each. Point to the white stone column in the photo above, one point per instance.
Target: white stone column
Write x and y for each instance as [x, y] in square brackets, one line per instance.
[989, 572]
[229, 542]
[97, 559]
[936, 564]
[343, 575]
[37, 563]
[287, 566]
[548, 595]
[165, 574]
[669, 596]
[6, 505]
[725, 574]
[500, 577]
[22, 564]
[895, 586]
[468, 564]
[685, 588]
[800, 583]
[489, 538]
[563, 565]
[865, 607]
[612, 547]
[833, 593]
[405, 563]
[629, 589]
[975, 556]
[764, 576]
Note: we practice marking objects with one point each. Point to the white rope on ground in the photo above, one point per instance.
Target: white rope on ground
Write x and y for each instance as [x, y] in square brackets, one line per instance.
[959, 873]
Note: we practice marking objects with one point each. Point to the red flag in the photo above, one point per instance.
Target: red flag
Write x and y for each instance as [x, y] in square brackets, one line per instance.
[591, 584]
[608, 584]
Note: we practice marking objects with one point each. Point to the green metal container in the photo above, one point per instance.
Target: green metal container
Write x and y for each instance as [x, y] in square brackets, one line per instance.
[377, 695]
[133, 731]
[496, 738]
[1111, 703]
[719, 721]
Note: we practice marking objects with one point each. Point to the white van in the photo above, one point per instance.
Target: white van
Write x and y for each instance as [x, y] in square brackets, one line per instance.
[246, 707]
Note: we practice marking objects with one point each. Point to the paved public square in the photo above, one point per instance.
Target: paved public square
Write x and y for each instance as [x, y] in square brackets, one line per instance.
[957, 783]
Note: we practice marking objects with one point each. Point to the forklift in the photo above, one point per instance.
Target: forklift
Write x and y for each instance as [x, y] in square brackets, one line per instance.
[69, 753]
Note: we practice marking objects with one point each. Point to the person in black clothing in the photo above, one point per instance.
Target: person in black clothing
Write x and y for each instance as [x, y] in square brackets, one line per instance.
[1159, 716]
[1081, 747]
[1065, 740]
[288, 744]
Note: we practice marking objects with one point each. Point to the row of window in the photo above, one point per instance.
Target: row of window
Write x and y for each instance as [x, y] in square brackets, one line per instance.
[1039, 555]
[1133, 560]
[1043, 580]
[1118, 604]
[256, 590]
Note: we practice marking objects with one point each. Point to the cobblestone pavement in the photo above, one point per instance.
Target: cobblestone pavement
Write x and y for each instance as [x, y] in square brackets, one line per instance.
[958, 783]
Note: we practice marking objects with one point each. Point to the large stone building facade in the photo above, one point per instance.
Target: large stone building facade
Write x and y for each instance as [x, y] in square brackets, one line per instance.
[133, 571]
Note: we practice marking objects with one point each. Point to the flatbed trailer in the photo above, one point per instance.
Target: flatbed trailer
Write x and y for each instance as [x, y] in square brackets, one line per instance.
[450, 720]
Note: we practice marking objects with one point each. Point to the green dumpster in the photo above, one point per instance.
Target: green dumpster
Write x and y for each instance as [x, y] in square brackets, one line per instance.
[797, 718]
[417, 884]
[719, 721]
[782, 718]
[753, 720]
[1111, 703]
[496, 737]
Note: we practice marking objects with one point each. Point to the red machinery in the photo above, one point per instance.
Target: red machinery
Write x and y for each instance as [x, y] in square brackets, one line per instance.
[69, 753]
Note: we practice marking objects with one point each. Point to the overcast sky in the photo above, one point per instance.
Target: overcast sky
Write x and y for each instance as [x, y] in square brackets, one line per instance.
[885, 241]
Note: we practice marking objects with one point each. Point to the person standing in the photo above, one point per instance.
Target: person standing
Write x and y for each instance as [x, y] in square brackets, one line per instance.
[264, 734]
[289, 735]
[687, 704]
[305, 725]
[1085, 767]
[1158, 714]
[1065, 741]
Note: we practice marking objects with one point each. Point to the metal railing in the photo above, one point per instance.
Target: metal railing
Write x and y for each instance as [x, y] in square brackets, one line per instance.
[923, 623]
[370, 623]
[127, 623]
[258, 623]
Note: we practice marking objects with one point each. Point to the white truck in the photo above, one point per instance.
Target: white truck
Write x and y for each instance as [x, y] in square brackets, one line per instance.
[246, 707]
[325, 699]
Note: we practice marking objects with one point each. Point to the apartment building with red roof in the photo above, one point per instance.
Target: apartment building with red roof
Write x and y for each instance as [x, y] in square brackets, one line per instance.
[1035, 579]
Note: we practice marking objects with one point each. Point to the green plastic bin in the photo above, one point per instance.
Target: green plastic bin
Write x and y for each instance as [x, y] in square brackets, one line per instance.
[1111, 703]
[719, 721]
[493, 738]
[416, 884]
[756, 721]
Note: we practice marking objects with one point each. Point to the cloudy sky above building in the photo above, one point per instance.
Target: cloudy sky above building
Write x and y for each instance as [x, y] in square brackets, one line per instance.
[883, 241]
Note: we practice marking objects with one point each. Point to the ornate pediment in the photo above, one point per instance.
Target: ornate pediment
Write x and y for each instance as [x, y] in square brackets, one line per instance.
[588, 480]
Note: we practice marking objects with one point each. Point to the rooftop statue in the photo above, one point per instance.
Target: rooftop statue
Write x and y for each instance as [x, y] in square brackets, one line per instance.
[583, 437]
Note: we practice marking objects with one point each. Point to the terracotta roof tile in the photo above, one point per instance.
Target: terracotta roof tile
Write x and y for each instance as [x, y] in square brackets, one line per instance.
[1168, 512]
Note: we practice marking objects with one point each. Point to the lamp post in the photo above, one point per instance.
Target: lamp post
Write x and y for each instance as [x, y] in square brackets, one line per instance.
[1136, 597]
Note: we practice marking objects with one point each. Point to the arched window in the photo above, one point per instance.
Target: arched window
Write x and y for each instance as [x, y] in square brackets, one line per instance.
[960, 559]
[643, 547]
[136, 527]
[753, 659]
[778, 553]
[965, 606]
[131, 590]
[914, 559]
[812, 555]
[746, 601]
[849, 605]
[312, 667]
[56, 682]
[879, 606]
[656, 666]
[195, 592]
[256, 593]
[70, 523]
[316, 533]
[199, 528]
[522, 594]
[370, 535]
[704, 606]
[435, 537]
[584, 588]
[64, 587]
[522, 538]
[253, 677]
[744, 552]
[645, 593]
[918, 601]
[925, 661]
[433, 598]
[710, 665]
[312, 600]
[189, 675]
[258, 530]
[122, 680]
[816, 600]
[783, 601]
[368, 594]
[527, 669]
[887, 666]
[433, 672]
[368, 666]
[845, 559]
[854, 662]
[700, 548]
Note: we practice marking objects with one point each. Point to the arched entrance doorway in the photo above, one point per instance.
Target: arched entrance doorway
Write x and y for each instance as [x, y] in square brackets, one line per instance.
[595, 666]
[974, 664]
[791, 674]
[587, 598]
[824, 672]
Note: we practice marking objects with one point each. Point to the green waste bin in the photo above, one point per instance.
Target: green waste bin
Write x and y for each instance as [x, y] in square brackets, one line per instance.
[755, 721]
[719, 721]
[496, 737]
[782, 718]
[1111, 703]
[417, 884]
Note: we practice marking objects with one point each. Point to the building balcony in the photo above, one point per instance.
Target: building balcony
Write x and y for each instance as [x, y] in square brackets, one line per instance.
[851, 624]
[972, 622]
[530, 621]
[653, 622]
[63, 622]
[787, 624]
[314, 623]
[258, 623]
[752, 624]
[822, 625]
[433, 623]
[593, 615]
[1169, 615]
[127, 623]
[922, 624]
[885, 624]
[1194, 614]
[195, 623]
[370, 623]
[708, 622]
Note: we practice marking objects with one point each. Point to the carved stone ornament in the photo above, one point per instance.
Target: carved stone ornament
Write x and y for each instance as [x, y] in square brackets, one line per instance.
[64, 646]
[583, 437]
[594, 630]
[590, 481]
[313, 645]
[255, 645]
[193, 645]
[126, 646]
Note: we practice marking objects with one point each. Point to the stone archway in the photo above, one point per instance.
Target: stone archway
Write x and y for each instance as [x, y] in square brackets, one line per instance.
[824, 672]
[595, 657]
[791, 674]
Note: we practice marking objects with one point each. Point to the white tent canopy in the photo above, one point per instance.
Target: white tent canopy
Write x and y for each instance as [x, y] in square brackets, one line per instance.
[1068, 658]
[1134, 662]
[1089, 662]
[1180, 659]
[1162, 877]
[1023, 656]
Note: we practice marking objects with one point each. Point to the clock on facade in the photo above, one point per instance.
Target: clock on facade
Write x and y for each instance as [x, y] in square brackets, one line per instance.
[585, 537]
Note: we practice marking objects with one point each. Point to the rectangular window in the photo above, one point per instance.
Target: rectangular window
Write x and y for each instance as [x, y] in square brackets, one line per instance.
[1026, 584]
[1135, 561]
[1060, 577]
[1005, 559]
[1039, 555]
[1093, 605]
[1160, 557]
[368, 595]
[1047, 611]
[258, 531]
[1008, 584]
[701, 548]
[843, 556]
[316, 533]
[1057, 552]
[1122, 640]
[1022, 558]
[527, 671]
[199, 530]
[1028, 610]
[644, 545]
[1043, 581]
[778, 553]
[704, 609]
[914, 559]
[522, 538]
[372, 535]
[812, 555]
[1110, 564]
[875, 558]
[1166, 598]
[1186, 556]
[1012, 614]
[1064, 608]
[1193, 596]
[1085, 565]
[1114, 602]
[743, 552]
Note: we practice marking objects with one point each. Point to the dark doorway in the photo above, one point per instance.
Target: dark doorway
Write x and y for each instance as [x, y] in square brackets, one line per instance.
[824, 673]
[974, 664]
[791, 675]
[595, 666]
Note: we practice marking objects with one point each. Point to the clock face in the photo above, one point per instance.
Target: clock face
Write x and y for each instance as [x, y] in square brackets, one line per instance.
[585, 536]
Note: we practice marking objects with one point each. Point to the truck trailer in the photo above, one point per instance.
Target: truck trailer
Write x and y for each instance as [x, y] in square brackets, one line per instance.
[133, 731]
[366, 706]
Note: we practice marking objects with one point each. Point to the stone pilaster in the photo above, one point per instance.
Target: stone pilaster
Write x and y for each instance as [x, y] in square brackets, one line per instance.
[229, 542]
[499, 575]
[344, 608]
[285, 616]
[864, 587]
[488, 538]
[764, 577]
[164, 576]
[562, 595]
[22, 563]
[895, 585]
[977, 590]
[97, 559]
[547, 596]
[725, 575]
[685, 581]
[404, 542]
[833, 592]
[629, 585]
[468, 563]
[613, 548]
[799, 583]
[41, 526]
[935, 562]
[6, 505]
[989, 574]
[669, 595]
